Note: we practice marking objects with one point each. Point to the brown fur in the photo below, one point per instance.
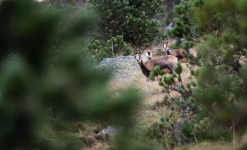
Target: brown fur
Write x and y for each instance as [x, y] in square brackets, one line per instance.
[168, 61]
[179, 53]
[165, 62]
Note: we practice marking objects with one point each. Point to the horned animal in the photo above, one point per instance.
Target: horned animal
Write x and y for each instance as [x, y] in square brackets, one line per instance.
[179, 53]
[138, 54]
[147, 65]
[148, 53]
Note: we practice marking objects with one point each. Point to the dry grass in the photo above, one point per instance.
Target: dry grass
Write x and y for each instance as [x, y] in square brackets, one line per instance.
[148, 114]
[151, 91]
[152, 94]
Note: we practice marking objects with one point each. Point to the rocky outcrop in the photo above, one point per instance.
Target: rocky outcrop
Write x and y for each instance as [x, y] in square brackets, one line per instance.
[120, 67]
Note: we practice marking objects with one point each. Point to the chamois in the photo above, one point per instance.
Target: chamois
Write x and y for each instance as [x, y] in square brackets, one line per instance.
[179, 53]
[148, 53]
[147, 65]
[138, 54]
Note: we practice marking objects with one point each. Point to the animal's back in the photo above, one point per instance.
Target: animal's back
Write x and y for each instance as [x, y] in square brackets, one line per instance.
[168, 59]
[177, 52]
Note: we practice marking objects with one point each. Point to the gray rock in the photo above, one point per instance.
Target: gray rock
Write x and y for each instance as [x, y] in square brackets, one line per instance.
[121, 67]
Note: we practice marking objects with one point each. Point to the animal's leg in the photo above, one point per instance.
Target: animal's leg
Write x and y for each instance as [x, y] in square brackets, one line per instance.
[170, 69]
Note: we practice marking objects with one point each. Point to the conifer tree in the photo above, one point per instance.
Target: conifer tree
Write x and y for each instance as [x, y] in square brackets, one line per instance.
[184, 27]
[133, 19]
[219, 91]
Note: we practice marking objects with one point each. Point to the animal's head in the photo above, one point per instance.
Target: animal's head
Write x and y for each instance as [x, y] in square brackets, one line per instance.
[165, 46]
[148, 53]
[144, 58]
[138, 58]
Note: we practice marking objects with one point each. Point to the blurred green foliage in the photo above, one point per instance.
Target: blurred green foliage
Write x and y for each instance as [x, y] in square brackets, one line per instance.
[221, 81]
[46, 82]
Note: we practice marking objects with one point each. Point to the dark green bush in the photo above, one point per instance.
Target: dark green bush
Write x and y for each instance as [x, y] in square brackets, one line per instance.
[111, 48]
[134, 19]
[184, 26]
